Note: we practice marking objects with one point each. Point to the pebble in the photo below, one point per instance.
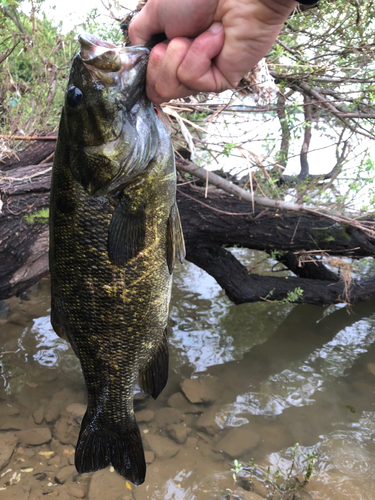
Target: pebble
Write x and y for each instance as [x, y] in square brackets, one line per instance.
[52, 413]
[76, 493]
[109, 485]
[76, 411]
[237, 442]
[65, 473]
[144, 416]
[207, 421]
[149, 457]
[67, 427]
[179, 402]
[35, 437]
[178, 432]
[162, 447]
[8, 442]
[38, 415]
[191, 442]
[204, 390]
[56, 460]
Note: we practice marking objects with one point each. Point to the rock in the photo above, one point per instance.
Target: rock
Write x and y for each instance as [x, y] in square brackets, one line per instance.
[207, 421]
[69, 451]
[56, 460]
[162, 447]
[52, 413]
[40, 476]
[13, 424]
[67, 428]
[237, 442]
[35, 437]
[77, 412]
[191, 442]
[38, 415]
[167, 416]
[149, 457]
[8, 442]
[109, 485]
[178, 432]
[65, 473]
[76, 493]
[179, 402]
[201, 390]
[144, 416]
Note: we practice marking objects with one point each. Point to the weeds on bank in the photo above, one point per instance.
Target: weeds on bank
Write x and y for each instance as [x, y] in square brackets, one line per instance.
[278, 485]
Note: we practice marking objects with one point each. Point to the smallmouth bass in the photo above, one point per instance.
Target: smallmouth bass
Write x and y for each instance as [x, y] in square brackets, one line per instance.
[114, 236]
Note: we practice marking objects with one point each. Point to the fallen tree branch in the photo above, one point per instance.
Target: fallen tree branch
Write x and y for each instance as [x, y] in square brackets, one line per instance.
[241, 194]
[242, 287]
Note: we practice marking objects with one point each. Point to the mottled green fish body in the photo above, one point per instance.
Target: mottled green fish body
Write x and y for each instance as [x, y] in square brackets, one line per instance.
[114, 236]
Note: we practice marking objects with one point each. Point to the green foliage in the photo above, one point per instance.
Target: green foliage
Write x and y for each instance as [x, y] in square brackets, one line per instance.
[292, 296]
[281, 485]
[228, 148]
[36, 57]
[40, 217]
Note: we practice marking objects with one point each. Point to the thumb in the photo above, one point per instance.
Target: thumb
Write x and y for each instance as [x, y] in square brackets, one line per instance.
[145, 24]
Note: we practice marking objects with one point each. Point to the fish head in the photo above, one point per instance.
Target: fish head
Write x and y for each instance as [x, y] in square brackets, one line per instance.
[109, 122]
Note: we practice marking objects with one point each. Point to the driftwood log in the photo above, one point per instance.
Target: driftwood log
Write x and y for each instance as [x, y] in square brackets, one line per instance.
[211, 225]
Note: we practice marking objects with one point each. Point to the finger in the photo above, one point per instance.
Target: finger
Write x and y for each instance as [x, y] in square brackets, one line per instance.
[144, 25]
[250, 30]
[197, 70]
[162, 83]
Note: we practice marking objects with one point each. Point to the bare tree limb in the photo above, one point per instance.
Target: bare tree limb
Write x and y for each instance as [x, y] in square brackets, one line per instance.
[306, 138]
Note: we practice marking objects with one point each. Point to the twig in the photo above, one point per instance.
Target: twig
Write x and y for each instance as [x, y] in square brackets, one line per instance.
[212, 208]
[29, 138]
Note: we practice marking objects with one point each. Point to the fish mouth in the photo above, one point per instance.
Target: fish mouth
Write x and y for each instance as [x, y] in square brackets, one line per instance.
[112, 66]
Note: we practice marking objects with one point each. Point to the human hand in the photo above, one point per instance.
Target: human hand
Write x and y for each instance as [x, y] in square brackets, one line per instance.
[211, 44]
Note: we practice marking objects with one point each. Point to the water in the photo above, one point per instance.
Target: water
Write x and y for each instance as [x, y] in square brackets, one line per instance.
[280, 375]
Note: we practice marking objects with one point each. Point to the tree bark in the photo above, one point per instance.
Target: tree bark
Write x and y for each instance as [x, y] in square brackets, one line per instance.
[209, 224]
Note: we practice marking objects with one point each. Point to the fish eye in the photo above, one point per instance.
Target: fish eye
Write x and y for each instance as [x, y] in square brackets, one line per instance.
[74, 96]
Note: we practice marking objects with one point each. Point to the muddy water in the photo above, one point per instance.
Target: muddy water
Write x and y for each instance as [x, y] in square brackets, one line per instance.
[246, 382]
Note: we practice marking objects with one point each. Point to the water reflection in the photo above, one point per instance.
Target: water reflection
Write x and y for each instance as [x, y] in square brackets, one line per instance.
[286, 373]
[50, 348]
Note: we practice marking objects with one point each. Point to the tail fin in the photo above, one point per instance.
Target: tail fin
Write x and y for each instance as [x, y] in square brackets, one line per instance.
[97, 448]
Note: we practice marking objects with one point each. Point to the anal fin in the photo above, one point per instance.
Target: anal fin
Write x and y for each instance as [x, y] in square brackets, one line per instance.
[154, 376]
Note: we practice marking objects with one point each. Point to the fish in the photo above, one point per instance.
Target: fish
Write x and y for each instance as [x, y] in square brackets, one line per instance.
[115, 235]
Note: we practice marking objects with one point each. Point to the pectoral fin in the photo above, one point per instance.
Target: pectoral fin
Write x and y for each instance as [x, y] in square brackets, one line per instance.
[175, 239]
[127, 230]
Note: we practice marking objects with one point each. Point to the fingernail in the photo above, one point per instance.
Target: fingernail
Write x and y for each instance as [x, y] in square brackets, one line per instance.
[216, 27]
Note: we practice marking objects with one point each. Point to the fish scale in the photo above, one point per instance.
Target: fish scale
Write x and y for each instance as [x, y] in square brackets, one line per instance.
[114, 236]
